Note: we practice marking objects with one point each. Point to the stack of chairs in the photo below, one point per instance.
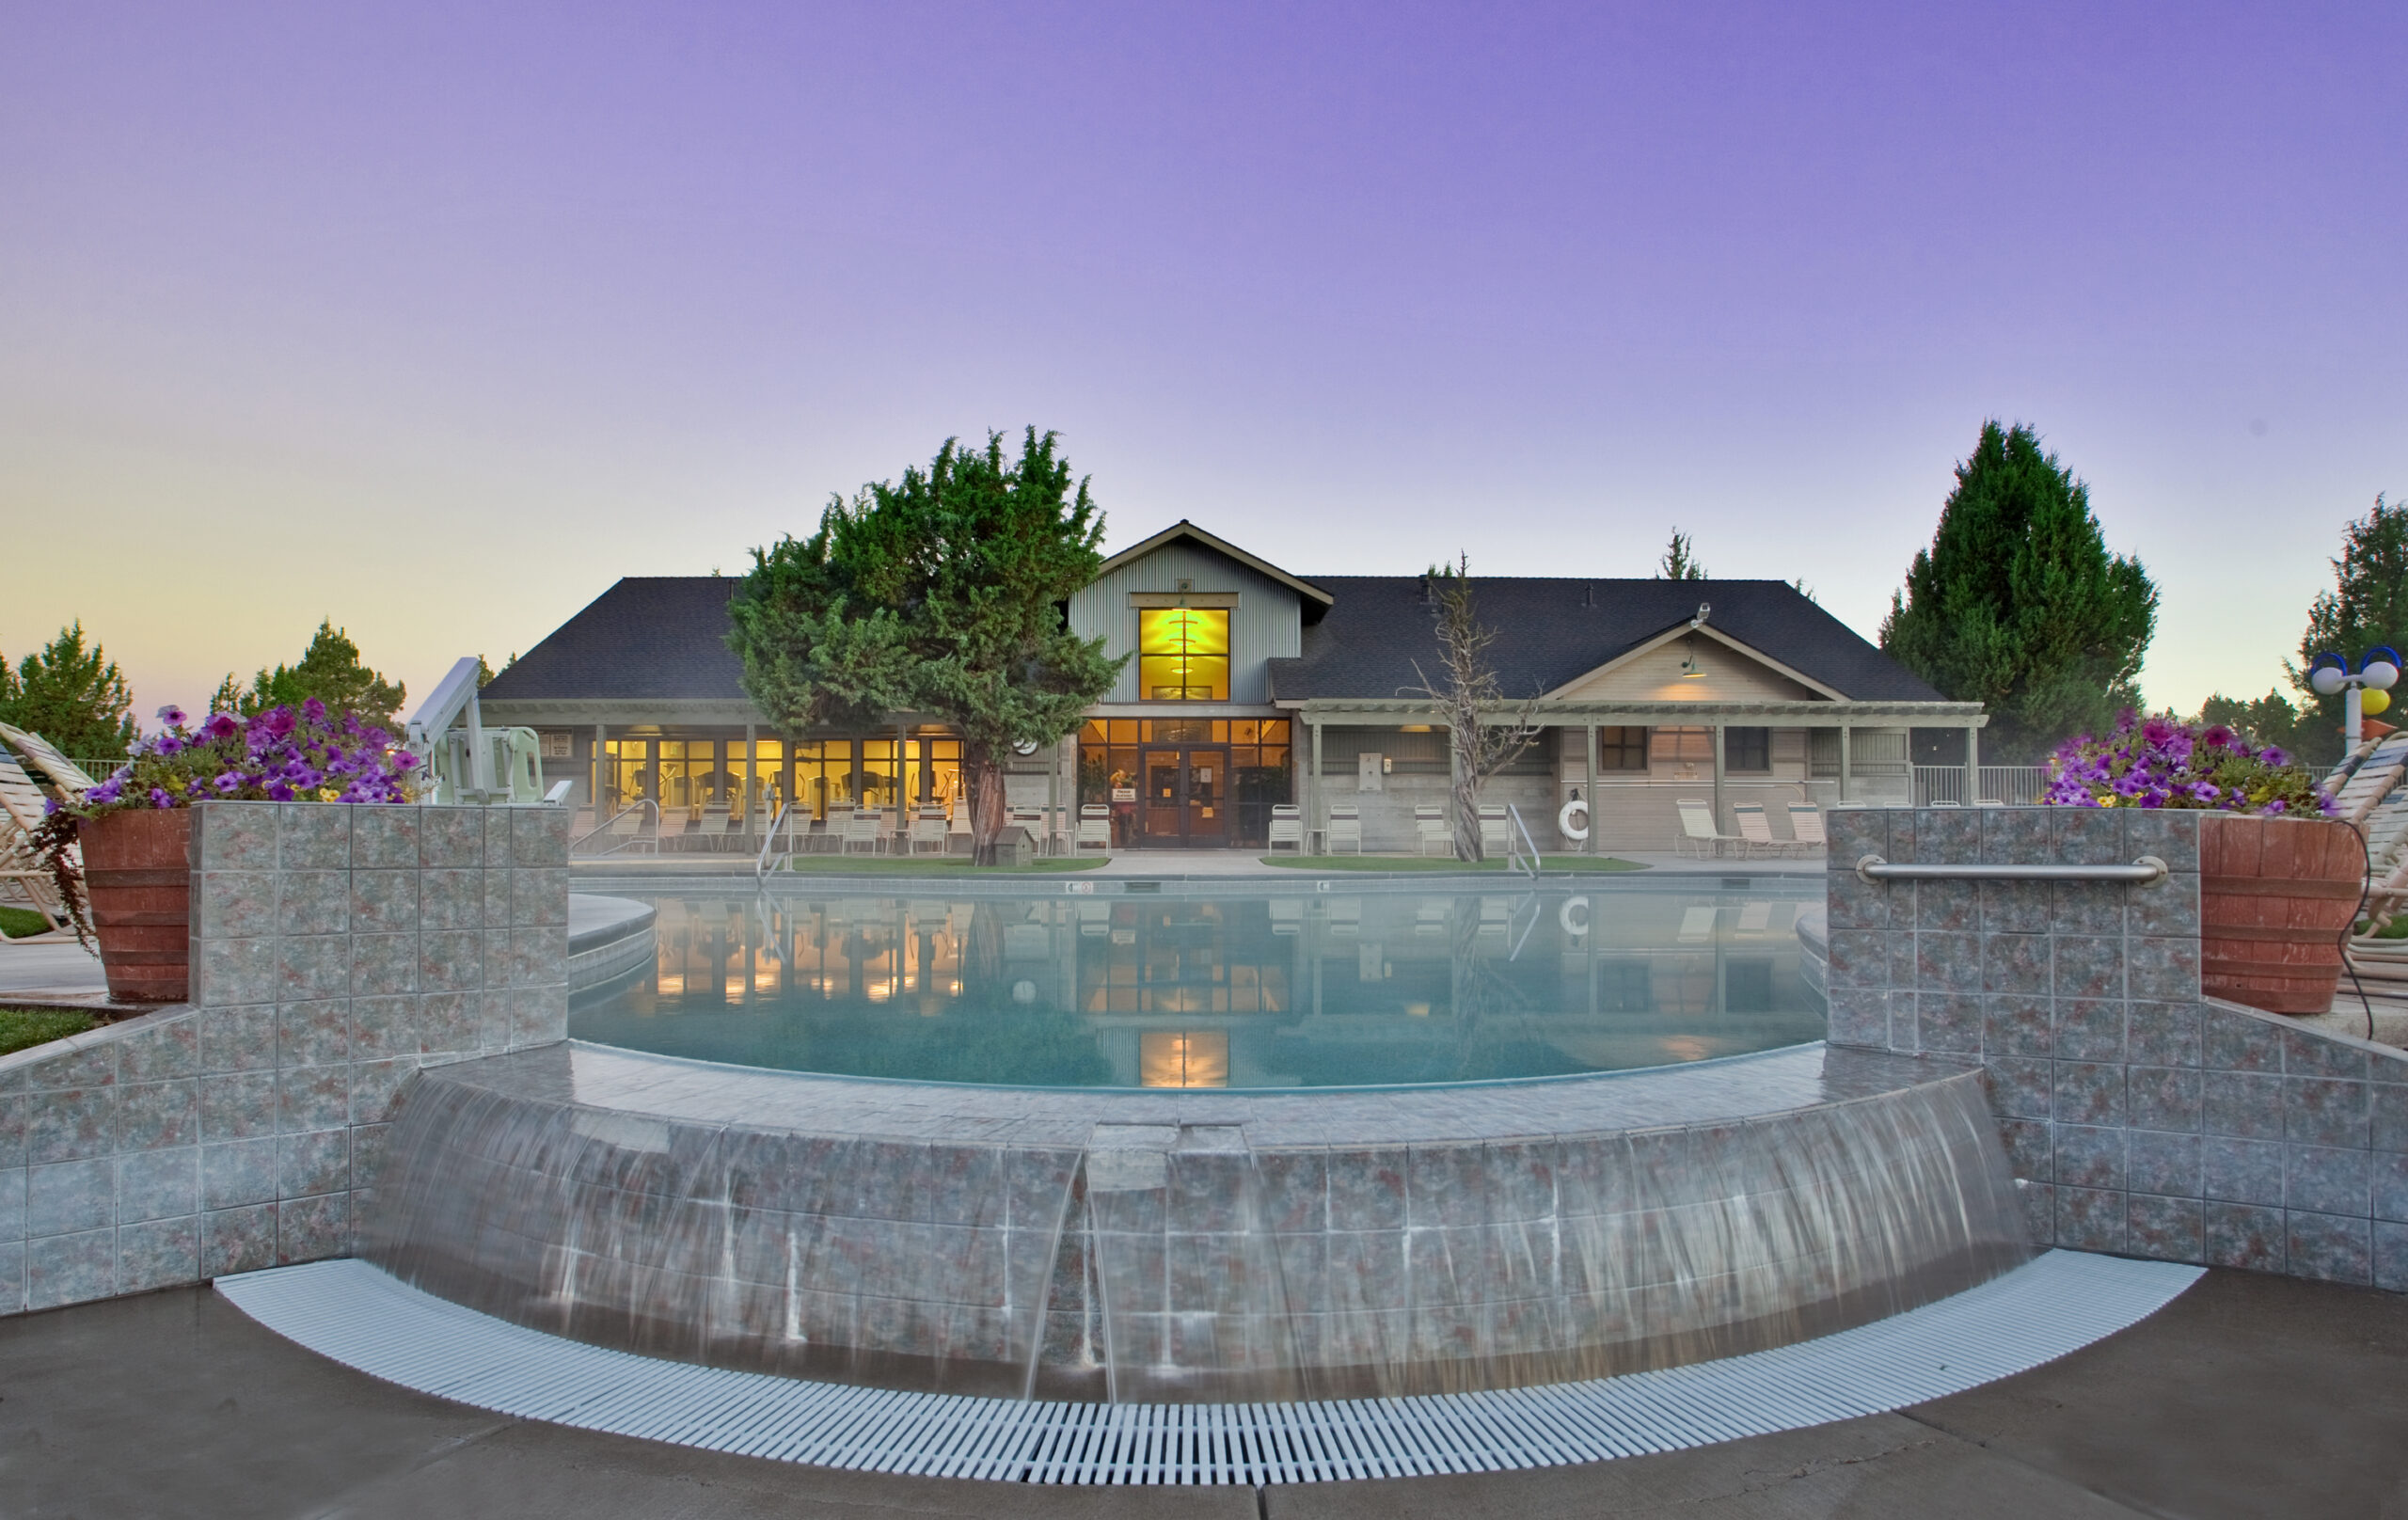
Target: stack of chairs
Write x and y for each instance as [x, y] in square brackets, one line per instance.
[1286, 827]
[1345, 830]
[1095, 826]
[1496, 830]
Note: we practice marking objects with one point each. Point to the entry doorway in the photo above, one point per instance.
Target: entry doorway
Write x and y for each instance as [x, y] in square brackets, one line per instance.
[1184, 799]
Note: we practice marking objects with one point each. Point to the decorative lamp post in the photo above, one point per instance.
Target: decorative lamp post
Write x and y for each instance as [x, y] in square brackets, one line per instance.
[2365, 693]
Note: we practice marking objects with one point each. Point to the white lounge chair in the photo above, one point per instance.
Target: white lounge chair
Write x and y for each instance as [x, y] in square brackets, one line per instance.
[1698, 830]
[1496, 830]
[1430, 823]
[1095, 826]
[1345, 828]
[1755, 829]
[866, 831]
[38, 752]
[2372, 779]
[1286, 828]
[25, 881]
[1806, 825]
[928, 829]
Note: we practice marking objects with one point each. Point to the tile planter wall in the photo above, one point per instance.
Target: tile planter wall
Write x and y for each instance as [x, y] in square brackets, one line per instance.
[335, 949]
[2142, 1118]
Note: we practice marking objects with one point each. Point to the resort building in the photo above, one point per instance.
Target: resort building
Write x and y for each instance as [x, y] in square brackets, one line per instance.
[1249, 687]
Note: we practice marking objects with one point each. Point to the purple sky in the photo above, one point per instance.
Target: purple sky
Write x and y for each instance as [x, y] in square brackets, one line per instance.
[439, 321]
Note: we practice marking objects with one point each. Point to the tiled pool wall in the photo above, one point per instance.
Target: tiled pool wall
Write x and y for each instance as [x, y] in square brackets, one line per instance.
[335, 949]
[2141, 1118]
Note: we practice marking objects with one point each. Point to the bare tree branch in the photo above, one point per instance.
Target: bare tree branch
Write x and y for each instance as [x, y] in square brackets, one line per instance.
[1468, 695]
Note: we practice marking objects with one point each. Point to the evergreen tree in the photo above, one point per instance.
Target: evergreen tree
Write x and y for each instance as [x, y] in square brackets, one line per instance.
[2367, 605]
[2018, 605]
[329, 671]
[1680, 561]
[72, 696]
[2270, 719]
[940, 595]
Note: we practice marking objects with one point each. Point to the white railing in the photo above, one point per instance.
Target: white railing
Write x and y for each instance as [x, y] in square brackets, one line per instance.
[647, 838]
[2015, 786]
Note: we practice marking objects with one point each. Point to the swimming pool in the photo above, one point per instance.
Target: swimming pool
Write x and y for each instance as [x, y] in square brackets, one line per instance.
[1260, 990]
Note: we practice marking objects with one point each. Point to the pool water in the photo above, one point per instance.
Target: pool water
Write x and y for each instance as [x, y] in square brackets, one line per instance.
[1230, 991]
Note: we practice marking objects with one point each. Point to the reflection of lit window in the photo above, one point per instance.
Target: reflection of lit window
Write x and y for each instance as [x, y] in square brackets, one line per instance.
[1184, 1058]
[1184, 654]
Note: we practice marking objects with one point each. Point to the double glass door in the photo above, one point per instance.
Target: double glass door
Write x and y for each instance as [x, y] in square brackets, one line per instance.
[1183, 799]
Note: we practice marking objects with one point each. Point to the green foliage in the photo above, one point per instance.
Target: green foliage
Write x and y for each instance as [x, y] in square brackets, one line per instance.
[486, 672]
[2367, 606]
[1680, 561]
[71, 695]
[329, 671]
[17, 922]
[2018, 605]
[940, 596]
[24, 1028]
[2270, 719]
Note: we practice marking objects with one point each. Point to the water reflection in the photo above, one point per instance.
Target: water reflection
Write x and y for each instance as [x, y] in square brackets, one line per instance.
[1221, 991]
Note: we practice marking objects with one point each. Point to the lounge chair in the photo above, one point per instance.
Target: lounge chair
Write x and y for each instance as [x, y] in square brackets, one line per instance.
[865, 830]
[2371, 779]
[1345, 828]
[1496, 830]
[25, 881]
[1806, 826]
[64, 774]
[1286, 828]
[1698, 831]
[929, 828]
[1095, 826]
[1032, 819]
[1430, 823]
[1755, 829]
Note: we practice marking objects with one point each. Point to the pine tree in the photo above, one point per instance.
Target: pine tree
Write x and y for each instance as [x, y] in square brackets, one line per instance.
[2018, 605]
[330, 671]
[72, 696]
[1680, 561]
[2367, 605]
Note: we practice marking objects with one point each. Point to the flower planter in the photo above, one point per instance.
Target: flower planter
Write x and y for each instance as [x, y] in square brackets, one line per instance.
[138, 878]
[2275, 896]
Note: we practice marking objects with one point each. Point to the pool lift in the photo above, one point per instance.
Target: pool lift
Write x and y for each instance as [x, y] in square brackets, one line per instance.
[473, 764]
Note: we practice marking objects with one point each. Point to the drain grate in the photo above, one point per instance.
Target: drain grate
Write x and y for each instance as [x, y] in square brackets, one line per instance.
[356, 1315]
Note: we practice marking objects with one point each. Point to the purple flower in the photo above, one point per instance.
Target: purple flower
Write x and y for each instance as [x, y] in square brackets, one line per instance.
[405, 760]
[2274, 756]
[314, 710]
[159, 798]
[2217, 736]
[2277, 806]
[278, 792]
[229, 783]
[169, 744]
[171, 715]
[222, 726]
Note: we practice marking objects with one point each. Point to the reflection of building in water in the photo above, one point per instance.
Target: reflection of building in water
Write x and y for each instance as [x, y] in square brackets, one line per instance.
[1314, 989]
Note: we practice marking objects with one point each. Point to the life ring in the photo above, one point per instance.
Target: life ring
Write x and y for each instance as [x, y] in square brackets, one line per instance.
[1563, 916]
[1563, 820]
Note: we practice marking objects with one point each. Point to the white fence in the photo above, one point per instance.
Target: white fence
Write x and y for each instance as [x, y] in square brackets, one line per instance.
[2015, 786]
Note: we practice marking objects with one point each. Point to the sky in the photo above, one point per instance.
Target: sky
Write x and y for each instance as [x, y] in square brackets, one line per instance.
[436, 318]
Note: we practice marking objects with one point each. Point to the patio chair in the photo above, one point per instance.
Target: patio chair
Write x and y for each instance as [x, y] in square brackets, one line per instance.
[1806, 826]
[1345, 828]
[2372, 780]
[929, 828]
[1095, 826]
[1698, 830]
[1755, 829]
[709, 832]
[1032, 819]
[865, 830]
[1430, 823]
[38, 752]
[1286, 828]
[1495, 830]
[959, 838]
[22, 873]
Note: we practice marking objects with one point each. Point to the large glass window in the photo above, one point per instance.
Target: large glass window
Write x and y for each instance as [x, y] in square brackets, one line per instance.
[1747, 749]
[1680, 746]
[823, 776]
[1184, 654]
[1622, 748]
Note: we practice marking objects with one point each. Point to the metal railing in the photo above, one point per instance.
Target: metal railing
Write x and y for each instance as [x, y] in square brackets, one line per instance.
[1514, 859]
[2140, 873]
[770, 840]
[2012, 785]
[646, 834]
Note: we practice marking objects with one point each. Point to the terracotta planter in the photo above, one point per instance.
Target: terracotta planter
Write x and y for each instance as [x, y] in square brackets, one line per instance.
[139, 879]
[2275, 895]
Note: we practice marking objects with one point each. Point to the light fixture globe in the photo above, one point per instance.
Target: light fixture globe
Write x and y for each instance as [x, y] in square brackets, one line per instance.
[2328, 679]
[2381, 669]
[2372, 704]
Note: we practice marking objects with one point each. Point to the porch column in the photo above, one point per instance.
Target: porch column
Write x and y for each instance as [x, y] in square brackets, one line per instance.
[1594, 830]
[1972, 765]
[1718, 778]
[1312, 786]
[902, 789]
[751, 775]
[1053, 798]
[601, 758]
[1847, 762]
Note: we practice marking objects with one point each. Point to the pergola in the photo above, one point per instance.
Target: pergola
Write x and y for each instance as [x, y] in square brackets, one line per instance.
[1714, 716]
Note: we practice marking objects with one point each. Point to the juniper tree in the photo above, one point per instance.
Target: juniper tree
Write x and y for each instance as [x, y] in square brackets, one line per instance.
[2018, 603]
[940, 596]
[329, 670]
[71, 695]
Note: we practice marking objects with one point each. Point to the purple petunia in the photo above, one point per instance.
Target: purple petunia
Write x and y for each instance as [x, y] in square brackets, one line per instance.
[171, 715]
[222, 726]
[160, 798]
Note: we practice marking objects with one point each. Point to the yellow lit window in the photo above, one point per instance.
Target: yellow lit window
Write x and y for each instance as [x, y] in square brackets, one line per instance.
[1184, 654]
[1184, 1058]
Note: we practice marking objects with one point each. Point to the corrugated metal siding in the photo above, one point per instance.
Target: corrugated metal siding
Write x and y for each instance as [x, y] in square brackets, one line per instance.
[1267, 625]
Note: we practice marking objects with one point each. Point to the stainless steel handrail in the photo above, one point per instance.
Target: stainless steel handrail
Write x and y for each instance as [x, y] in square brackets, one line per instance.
[2148, 868]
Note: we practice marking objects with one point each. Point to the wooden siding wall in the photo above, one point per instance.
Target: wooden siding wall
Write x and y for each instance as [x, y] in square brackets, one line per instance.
[1655, 677]
[1266, 625]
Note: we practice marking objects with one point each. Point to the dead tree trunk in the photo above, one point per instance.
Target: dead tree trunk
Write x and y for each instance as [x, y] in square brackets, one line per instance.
[1466, 693]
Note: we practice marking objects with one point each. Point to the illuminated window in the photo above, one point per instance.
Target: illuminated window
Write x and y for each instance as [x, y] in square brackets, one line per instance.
[1184, 654]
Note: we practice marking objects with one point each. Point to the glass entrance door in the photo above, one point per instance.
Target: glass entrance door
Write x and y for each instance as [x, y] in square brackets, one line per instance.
[1184, 798]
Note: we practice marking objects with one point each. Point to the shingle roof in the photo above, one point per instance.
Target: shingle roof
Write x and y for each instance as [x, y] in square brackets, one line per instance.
[1551, 631]
[648, 638]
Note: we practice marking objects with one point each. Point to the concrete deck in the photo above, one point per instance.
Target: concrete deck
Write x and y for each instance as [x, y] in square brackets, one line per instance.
[53, 972]
[2249, 1396]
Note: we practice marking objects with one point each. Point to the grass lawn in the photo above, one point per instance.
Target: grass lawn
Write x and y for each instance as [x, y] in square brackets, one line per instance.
[16, 923]
[22, 1027]
[935, 865]
[1579, 864]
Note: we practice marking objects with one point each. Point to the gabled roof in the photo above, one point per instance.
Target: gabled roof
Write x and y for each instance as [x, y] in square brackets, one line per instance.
[1183, 528]
[648, 638]
[1552, 632]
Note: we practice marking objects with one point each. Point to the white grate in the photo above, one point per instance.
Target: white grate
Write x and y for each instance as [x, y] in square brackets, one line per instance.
[356, 1315]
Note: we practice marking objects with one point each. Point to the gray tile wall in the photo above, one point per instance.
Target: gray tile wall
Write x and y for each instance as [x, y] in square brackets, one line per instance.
[2142, 1118]
[335, 949]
